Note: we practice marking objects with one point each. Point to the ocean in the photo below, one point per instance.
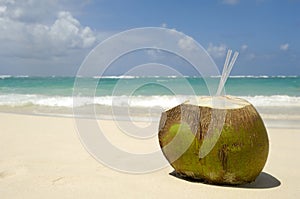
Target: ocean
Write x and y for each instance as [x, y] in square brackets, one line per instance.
[277, 98]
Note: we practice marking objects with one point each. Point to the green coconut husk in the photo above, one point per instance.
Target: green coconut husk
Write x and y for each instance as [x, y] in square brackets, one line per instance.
[234, 150]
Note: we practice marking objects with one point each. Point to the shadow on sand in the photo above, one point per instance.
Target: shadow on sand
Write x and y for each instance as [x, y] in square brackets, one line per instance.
[263, 181]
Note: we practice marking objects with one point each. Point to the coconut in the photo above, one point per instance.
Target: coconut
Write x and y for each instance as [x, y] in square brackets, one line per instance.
[219, 140]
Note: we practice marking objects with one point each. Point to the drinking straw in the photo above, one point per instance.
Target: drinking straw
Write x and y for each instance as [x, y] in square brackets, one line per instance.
[226, 70]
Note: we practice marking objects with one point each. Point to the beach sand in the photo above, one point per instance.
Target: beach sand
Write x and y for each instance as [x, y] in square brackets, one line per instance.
[42, 157]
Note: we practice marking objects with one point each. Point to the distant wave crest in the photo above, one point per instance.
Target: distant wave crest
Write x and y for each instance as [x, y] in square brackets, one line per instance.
[165, 101]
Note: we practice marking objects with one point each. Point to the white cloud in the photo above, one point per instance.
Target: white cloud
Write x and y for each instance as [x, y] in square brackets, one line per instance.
[30, 10]
[68, 30]
[250, 56]
[231, 2]
[153, 52]
[187, 43]
[2, 10]
[39, 29]
[284, 47]
[217, 51]
[244, 47]
[163, 25]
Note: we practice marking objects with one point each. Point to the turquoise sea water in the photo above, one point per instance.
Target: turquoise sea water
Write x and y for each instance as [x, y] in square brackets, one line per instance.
[274, 97]
[238, 85]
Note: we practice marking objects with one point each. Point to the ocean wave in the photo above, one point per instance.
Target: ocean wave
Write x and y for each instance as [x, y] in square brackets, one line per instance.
[21, 76]
[249, 76]
[258, 76]
[165, 101]
[115, 77]
[11, 76]
[274, 100]
[168, 77]
[18, 100]
[137, 77]
[5, 76]
[283, 76]
[264, 76]
[213, 76]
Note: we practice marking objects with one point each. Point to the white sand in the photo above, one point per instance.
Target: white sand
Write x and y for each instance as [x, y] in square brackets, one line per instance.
[42, 157]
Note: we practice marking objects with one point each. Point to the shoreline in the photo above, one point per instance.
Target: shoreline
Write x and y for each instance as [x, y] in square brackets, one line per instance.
[43, 157]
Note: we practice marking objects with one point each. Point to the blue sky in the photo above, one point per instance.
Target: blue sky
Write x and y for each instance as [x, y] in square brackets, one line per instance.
[53, 37]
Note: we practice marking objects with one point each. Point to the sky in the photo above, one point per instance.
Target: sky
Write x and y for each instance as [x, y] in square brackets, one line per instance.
[53, 37]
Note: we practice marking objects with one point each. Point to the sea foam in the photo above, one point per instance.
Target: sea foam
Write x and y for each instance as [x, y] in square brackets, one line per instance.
[164, 101]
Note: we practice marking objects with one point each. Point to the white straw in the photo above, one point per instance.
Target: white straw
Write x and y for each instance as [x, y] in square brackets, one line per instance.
[226, 70]
[236, 54]
[227, 61]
